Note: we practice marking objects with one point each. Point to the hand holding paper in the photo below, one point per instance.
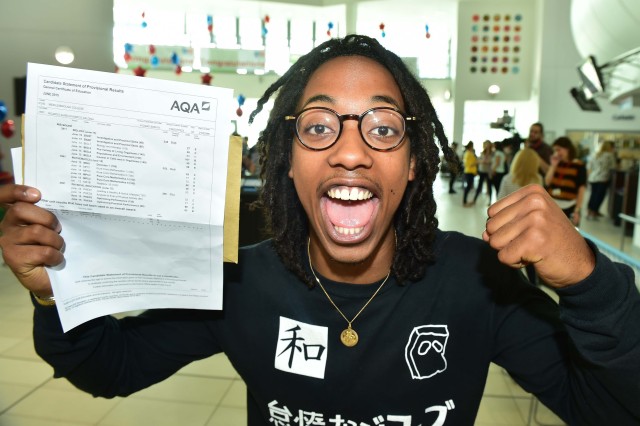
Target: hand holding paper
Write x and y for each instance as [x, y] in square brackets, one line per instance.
[135, 170]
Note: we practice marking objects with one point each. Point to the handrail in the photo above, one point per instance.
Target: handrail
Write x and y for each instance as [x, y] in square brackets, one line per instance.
[626, 218]
[616, 255]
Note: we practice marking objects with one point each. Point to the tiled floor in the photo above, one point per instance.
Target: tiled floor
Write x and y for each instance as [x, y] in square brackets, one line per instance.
[208, 392]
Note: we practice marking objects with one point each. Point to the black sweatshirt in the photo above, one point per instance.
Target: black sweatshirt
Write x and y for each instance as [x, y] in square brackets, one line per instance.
[424, 347]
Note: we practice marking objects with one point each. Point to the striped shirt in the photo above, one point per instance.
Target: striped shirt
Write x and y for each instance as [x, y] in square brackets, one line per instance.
[567, 180]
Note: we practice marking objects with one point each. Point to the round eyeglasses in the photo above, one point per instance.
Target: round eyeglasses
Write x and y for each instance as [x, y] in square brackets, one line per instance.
[381, 128]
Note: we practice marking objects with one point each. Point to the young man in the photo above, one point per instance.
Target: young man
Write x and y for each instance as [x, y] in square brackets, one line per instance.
[536, 142]
[360, 311]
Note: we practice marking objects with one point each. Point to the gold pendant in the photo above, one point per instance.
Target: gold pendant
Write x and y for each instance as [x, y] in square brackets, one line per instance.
[349, 337]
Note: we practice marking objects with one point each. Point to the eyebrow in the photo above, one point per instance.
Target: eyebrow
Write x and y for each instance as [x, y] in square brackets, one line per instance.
[331, 100]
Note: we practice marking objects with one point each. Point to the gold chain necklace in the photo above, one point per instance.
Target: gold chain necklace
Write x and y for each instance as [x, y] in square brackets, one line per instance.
[348, 337]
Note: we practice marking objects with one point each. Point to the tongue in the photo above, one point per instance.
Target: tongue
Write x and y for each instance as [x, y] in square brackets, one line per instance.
[349, 213]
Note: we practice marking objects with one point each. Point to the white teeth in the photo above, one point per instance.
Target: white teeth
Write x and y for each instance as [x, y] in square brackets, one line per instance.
[350, 194]
[348, 231]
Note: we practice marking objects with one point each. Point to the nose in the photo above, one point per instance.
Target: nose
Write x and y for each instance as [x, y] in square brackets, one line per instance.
[350, 151]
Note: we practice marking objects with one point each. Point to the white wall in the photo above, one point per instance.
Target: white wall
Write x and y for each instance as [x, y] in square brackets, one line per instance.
[516, 88]
[554, 60]
[31, 30]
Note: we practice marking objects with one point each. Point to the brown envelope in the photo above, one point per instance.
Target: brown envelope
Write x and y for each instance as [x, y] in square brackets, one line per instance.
[232, 200]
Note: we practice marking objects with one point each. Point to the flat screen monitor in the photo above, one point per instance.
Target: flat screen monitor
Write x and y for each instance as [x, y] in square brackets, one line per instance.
[591, 76]
[584, 103]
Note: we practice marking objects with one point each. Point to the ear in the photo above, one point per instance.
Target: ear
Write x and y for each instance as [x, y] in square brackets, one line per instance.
[412, 168]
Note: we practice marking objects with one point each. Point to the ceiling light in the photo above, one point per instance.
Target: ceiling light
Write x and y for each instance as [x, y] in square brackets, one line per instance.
[494, 89]
[64, 55]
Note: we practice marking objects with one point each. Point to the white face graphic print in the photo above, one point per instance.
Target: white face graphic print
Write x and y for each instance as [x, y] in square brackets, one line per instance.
[425, 351]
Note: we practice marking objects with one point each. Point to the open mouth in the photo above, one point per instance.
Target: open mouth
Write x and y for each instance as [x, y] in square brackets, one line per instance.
[349, 209]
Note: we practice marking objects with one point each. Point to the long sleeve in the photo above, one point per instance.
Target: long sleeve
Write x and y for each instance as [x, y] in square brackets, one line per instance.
[602, 316]
[593, 376]
[109, 357]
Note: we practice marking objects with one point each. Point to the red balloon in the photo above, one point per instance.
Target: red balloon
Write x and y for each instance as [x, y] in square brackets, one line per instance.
[267, 19]
[9, 127]
[178, 69]
[239, 112]
[210, 28]
[152, 49]
[127, 57]
[382, 26]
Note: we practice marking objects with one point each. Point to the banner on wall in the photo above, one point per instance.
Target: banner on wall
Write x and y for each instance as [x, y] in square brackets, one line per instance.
[217, 60]
[158, 57]
[229, 60]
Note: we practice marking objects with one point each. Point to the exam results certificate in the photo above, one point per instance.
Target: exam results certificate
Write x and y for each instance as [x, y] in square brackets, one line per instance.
[135, 169]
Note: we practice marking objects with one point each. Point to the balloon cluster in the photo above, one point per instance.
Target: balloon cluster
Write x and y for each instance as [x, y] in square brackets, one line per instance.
[8, 127]
[241, 100]
[210, 27]
[128, 48]
[382, 33]
[329, 28]
[265, 21]
[144, 22]
[428, 34]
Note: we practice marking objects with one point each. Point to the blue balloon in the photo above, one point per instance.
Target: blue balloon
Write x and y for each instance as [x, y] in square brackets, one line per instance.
[155, 61]
[144, 24]
[175, 59]
[128, 47]
[330, 25]
[3, 111]
[209, 19]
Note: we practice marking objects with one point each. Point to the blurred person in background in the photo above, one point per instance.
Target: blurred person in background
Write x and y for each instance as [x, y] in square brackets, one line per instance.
[566, 179]
[599, 177]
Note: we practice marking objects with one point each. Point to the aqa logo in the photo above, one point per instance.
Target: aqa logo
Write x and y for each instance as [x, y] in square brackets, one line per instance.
[190, 108]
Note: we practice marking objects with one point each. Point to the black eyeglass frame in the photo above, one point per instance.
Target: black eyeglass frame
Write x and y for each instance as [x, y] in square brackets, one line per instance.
[357, 117]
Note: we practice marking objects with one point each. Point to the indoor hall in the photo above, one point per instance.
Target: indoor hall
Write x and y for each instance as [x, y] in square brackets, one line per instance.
[209, 391]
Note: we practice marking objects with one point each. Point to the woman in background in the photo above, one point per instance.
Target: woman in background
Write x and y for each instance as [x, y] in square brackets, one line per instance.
[566, 179]
[470, 162]
[599, 168]
[523, 172]
[498, 166]
[484, 169]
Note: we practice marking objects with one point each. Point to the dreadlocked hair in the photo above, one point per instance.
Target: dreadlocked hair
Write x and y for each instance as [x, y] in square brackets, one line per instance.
[415, 222]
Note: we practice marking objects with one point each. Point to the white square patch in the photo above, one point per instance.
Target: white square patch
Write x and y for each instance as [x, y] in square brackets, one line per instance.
[302, 348]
